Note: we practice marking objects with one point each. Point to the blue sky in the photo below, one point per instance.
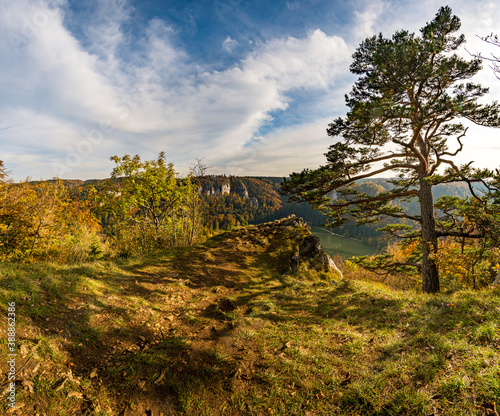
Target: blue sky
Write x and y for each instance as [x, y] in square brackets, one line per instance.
[250, 86]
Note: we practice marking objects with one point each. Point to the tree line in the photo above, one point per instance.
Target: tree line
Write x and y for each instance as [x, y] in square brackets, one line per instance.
[145, 207]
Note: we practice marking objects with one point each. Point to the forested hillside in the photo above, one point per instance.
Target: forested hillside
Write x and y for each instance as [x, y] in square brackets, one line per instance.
[76, 220]
[228, 201]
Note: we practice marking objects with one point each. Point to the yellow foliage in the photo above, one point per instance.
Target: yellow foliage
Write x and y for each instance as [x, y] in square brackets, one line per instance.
[465, 264]
[40, 221]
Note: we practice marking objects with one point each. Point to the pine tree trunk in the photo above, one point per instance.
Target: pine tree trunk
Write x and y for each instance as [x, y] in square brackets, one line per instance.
[430, 274]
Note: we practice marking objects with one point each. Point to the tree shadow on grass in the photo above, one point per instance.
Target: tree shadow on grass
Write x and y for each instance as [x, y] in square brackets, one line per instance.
[140, 354]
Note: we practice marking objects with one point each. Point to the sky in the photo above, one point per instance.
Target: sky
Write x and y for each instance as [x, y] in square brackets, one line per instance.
[247, 86]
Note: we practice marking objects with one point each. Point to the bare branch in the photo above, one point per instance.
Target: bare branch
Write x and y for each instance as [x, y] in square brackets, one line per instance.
[415, 218]
[450, 233]
[460, 148]
[465, 179]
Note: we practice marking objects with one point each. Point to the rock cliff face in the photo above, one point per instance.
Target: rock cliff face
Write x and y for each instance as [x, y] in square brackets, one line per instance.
[231, 200]
[224, 188]
[241, 190]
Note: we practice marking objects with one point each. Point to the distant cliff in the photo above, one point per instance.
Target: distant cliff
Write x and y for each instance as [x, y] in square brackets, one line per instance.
[211, 189]
[231, 200]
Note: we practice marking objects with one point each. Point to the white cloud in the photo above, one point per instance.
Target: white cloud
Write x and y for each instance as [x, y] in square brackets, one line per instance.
[312, 62]
[104, 32]
[293, 5]
[55, 91]
[367, 19]
[47, 69]
[229, 44]
[278, 153]
[157, 102]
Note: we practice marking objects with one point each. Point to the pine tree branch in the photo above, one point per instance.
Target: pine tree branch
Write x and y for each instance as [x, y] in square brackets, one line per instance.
[412, 192]
[373, 173]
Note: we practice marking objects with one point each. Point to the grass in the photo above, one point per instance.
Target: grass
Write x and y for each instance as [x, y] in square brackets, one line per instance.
[336, 245]
[220, 329]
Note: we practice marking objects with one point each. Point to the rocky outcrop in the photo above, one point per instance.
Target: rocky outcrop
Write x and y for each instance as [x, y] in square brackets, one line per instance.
[241, 190]
[224, 189]
[307, 247]
[311, 252]
[310, 249]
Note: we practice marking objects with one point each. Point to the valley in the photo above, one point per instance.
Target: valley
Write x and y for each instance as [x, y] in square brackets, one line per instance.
[337, 245]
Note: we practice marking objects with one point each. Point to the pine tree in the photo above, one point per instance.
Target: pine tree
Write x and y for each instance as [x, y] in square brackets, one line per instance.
[404, 121]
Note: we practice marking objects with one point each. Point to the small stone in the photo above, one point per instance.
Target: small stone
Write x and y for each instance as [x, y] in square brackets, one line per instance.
[23, 349]
[60, 384]
[28, 385]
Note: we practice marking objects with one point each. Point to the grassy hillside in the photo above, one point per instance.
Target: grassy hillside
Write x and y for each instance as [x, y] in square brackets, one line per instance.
[336, 245]
[223, 329]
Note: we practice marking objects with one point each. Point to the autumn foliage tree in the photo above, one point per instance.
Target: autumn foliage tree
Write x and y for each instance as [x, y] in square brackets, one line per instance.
[405, 120]
[38, 221]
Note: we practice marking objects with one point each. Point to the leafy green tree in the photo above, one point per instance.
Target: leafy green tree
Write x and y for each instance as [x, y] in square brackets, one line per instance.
[148, 205]
[404, 121]
[478, 220]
